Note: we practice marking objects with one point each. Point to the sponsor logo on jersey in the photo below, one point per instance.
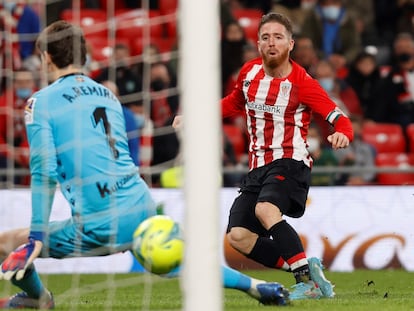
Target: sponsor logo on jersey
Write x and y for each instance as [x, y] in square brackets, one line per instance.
[29, 110]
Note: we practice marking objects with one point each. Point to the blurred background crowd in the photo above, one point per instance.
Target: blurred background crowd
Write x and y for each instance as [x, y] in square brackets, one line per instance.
[361, 52]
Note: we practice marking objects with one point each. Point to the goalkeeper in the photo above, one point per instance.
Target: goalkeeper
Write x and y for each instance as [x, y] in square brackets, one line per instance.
[77, 138]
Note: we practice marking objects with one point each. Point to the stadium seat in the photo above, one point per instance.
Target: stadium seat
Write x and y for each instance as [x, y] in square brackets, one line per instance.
[101, 49]
[410, 136]
[250, 26]
[133, 25]
[236, 137]
[395, 159]
[92, 21]
[244, 12]
[385, 137]
[167, 6]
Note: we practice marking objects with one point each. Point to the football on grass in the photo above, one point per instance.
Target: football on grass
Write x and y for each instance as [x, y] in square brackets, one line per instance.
[158, 244]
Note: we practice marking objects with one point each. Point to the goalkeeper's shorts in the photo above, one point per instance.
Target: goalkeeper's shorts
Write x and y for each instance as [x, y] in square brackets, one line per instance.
[98, 234]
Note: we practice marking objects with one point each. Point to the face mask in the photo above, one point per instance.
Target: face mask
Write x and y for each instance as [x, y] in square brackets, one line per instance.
[9, 6]
[313, 144]
[331, 12]
[403, 57]
[327, 84]
[158, 85]
[139, 120]
[23, 93]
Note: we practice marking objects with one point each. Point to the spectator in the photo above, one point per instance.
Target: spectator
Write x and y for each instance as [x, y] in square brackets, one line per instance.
[164, 103]
[364, 16]
[164, 106]
[338, 90]
[333, 32]
[304, 52]
[127, 81]
[386, 19]
[14, 146]
[364, 77]
[19, 18]
[131, 126]
[359, 155]
[406, 13]
[321, 155]
[296, 10]
[396, 95]
[146, 128]
[232, 45]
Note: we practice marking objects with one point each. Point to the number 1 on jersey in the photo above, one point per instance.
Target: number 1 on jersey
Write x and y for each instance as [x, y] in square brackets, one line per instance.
[99, 115]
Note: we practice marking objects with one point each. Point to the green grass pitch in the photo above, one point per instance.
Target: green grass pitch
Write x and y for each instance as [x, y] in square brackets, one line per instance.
[357, 291]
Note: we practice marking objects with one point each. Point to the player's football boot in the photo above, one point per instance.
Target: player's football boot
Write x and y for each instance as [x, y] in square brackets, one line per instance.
[22, 301]
[273, 294]
[309, 290]
[317, 275]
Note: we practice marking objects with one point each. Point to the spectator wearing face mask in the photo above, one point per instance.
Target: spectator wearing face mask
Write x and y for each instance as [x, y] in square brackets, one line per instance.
[338, 90]
[333, 31]
[14, 146]
[232, 45]
[396, 96]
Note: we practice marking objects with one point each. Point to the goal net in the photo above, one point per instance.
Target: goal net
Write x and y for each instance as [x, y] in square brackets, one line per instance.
[136, 45]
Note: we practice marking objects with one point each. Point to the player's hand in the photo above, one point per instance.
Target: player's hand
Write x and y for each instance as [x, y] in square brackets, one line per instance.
[338, 140]
[177, 122]
[19, 260]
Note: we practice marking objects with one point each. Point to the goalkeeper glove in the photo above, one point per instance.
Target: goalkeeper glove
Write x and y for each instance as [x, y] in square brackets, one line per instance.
[19, 260]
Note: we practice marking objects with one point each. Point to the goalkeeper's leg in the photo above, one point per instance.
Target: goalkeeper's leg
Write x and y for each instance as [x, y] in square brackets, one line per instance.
[10, 240]
[267, 293]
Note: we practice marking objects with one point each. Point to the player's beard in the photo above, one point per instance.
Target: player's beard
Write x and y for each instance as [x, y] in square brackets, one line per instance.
[274, 62]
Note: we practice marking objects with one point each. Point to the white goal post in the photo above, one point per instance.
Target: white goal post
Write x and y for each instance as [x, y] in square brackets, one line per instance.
[199, 29]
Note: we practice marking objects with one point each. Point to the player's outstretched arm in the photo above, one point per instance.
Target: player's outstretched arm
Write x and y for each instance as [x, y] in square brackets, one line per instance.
[20, 259]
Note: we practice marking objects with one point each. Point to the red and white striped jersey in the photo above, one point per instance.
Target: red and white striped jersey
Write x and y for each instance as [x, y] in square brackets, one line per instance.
[279, 112]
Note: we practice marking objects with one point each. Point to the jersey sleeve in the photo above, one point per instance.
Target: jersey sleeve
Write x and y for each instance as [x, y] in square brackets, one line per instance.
[315, 97]
[234, 103]
[42, 165]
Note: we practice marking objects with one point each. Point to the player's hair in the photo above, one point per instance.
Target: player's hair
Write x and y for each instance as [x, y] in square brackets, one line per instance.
[65, 44]
[277, 18]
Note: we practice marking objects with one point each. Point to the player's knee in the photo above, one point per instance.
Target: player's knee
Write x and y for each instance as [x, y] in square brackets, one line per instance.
[241, 239]
[268, 214]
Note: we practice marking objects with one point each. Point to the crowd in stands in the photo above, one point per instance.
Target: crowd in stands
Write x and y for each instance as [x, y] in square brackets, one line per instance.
[361, 52]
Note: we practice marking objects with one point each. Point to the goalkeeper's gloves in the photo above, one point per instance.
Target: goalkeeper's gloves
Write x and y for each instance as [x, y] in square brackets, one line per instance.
[19, 260]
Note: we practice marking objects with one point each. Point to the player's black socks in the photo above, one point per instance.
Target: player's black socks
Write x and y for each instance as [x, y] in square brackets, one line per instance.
[290, 246]
[266, 252]
[288, 240]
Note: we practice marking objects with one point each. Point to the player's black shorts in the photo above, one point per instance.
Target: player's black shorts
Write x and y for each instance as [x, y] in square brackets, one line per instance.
[284, 182]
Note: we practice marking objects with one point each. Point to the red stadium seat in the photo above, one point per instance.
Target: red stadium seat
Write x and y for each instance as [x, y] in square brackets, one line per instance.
[101, 49]
[250, 26]
[167, 6]
[395, 159]
[92, 21]
[251, 13]
[385, 137]
[410, 136]
[134, 24]
[236, 137]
